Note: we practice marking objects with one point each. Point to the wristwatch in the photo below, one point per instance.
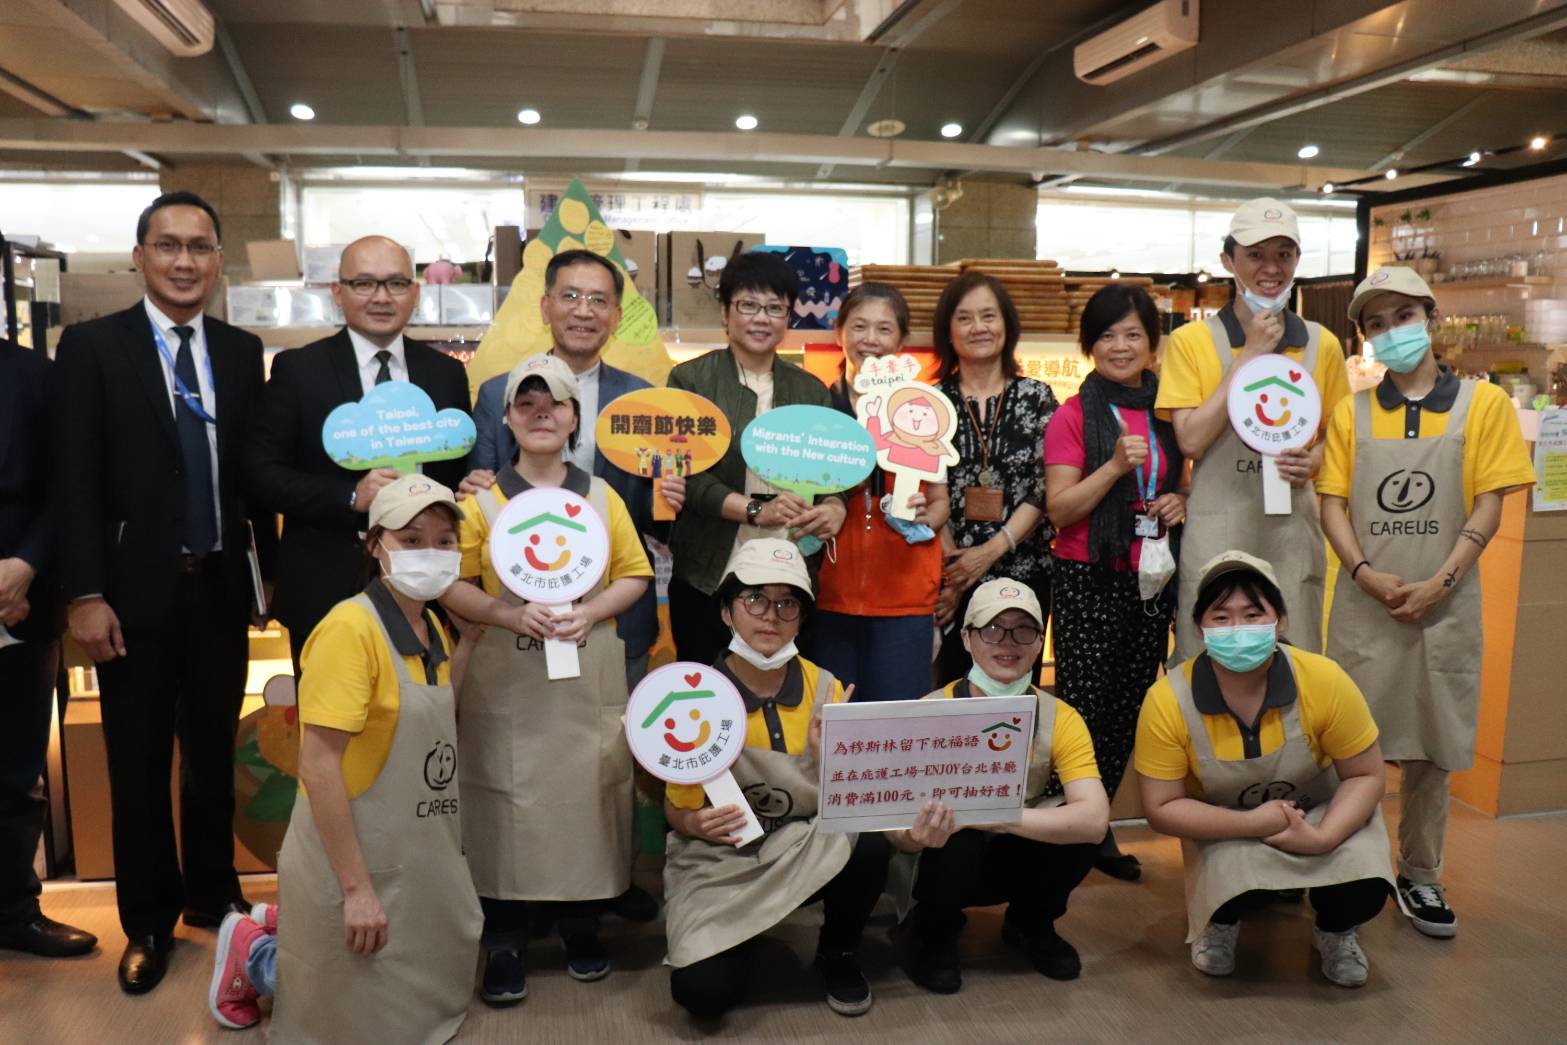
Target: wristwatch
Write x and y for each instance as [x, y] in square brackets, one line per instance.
[752, 510]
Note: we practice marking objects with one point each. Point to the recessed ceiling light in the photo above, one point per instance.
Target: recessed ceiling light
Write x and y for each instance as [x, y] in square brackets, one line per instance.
[1392, 173]
[1308, 151]
[1538, 142]
[301, 111]
[528, 116]
[1327, 188]
[1473, 160]
[746, 122]
[951, 130]
[888, 128]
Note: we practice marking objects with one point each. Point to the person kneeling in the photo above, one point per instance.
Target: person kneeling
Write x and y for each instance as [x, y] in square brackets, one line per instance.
[1263, 759]
[1033, 864]
[719, 896]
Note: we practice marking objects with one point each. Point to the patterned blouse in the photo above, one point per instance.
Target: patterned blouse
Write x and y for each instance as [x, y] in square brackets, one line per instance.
[1017, 458]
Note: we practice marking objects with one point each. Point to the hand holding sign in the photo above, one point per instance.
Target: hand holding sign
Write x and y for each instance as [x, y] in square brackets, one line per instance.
[912, 424]
[685, 724]
[660, 433]
[1274, 406]
[395, 425]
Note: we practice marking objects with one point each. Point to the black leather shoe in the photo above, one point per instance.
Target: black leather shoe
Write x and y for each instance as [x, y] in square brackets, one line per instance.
[935, 966]
[144, 962]
[1123, 866]
[47, 938]
[636, 904]
[199, 919]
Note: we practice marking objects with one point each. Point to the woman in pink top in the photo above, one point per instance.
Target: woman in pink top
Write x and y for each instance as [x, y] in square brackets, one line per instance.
[1112, 472]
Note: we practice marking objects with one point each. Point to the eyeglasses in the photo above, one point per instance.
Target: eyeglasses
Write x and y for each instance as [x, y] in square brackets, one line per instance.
[365, 287]
[756, 604]
[200, 250]
[572, 298]
[774, 309]
[1021, 634]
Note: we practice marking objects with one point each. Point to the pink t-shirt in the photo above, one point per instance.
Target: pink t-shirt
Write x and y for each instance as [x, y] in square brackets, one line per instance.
[1064, 445]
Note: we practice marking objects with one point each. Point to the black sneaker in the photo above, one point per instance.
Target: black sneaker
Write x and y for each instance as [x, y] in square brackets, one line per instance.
[505, 976]
[936, 967]
[586, 958]
[1427, 908]
[848, 992]
[634, 905]
[1051, 955]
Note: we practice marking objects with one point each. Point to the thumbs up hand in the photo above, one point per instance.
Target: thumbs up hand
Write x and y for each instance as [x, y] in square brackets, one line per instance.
[1130, 450]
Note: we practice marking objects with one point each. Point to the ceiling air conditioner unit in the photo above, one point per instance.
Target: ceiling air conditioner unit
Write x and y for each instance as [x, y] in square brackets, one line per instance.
[1148, 37]
[185, 27]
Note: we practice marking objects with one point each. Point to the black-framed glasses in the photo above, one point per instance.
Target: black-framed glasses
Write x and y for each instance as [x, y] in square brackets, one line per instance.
[774, 309]
[199, 249]
[573, 298]
[756, 604]
[365, 287]
[1021, 634]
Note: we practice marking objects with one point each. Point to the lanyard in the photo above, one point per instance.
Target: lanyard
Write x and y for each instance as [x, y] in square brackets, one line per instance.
[985, 439]
[1150, 488]
[189, 398]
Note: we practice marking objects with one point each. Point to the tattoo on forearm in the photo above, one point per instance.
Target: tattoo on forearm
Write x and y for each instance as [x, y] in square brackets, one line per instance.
[1476, 536]
[1451, 578]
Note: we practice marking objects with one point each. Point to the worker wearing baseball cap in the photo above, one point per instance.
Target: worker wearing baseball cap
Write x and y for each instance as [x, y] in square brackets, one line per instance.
[1412, 487]
[1225, 509]
[1263, 759]
[1032, 864]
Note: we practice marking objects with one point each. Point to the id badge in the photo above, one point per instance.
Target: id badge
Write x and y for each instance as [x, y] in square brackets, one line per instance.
[1146, 525]
[984, 504]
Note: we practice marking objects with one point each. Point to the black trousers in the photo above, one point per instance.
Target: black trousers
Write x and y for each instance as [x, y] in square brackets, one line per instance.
[979, 869]
[711, 987]
[953, 661]
[699, 632]
[507, 921]
[1339, 907]
[27, 676]
[185, 679]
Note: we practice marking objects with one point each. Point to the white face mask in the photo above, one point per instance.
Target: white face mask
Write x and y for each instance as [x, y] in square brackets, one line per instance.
[1260, 304]
[759, 660]
[422, 573]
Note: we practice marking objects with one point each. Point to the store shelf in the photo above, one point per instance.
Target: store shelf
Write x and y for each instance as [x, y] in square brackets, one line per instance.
[1500, 283]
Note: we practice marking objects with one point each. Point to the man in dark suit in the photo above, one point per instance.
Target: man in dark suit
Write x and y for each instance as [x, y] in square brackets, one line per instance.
[150, 411]
[324, 505]
[29, 653]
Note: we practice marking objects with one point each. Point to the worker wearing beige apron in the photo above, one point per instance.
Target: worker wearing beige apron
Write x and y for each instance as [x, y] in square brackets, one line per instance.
[1263, 760]
[1412, 487]
[1033, 864]
[718, 898]
[1224, 510]
[377, 944]
[544, 824]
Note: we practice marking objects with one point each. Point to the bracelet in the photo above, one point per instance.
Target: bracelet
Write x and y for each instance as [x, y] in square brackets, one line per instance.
[1011, 544]
[1356, 570]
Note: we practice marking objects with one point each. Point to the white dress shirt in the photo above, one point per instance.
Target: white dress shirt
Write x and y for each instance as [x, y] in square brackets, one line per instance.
[209, 395]
[588, 391]
[370, 366]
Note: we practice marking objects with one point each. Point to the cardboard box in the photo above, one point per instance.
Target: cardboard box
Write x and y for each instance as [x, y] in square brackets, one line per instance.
[684, 255]
[273, 259]
[508, 255]
[88, 295]
[640, 249]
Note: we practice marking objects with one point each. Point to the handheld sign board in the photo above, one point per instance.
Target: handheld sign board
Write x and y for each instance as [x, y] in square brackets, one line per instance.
[660, 432]
[549, 546]
[395, 425]
[808, 450]
[911, 423]
[685, 724]
[1274, 406]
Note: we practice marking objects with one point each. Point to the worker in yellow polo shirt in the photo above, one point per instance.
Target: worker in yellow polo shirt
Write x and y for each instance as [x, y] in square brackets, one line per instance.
[1412, 487]
[1263, 759]
[1224, 511]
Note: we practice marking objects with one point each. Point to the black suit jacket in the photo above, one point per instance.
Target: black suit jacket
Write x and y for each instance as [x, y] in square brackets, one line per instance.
[25, 530]
[320, 559]
[116, 468]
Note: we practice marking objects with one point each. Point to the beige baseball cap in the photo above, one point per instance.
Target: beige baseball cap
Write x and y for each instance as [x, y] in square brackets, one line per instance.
[769, 560]
[1232, 562]
[1263, 218]
[993, 598]
[1391, 279]
[397, 502]
[551, 370]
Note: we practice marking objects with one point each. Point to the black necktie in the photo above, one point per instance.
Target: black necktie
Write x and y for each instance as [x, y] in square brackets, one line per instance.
[201, 520]
[385, 373]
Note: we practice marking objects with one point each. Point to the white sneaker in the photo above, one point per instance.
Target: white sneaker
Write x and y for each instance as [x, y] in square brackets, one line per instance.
[1343, 962]
[1214, 951]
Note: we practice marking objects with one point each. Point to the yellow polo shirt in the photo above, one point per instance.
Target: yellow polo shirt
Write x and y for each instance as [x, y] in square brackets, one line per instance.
[1495, 455]
[1071, 745]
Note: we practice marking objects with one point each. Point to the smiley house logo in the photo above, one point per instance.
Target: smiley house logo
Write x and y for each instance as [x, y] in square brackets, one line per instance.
[440, 766]
[548, 546]
[998, 737]
[1282, 390]
[1274, 404]
[704, 730]
[556, 554]
[685, 723]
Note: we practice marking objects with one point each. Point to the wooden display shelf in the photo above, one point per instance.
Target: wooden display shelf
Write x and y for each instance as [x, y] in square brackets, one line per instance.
[1499, 283]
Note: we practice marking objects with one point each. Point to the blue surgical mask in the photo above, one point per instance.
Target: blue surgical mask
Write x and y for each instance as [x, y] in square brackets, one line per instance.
[1241, 647]
[1260, 305]
[1402, 348]
[991, 688]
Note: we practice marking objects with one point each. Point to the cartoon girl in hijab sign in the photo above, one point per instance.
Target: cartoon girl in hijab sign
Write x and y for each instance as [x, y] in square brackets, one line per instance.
[911, 423]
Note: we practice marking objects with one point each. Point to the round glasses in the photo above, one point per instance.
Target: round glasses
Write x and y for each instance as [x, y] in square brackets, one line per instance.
[756, 604]
[1020, 634]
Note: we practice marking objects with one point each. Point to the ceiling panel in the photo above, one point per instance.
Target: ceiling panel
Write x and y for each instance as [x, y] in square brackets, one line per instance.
[347, 74]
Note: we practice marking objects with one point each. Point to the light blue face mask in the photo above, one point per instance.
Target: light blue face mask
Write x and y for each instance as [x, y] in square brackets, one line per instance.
[1402, 348]
[1241, 647]
[991, 688]
[1260, 305]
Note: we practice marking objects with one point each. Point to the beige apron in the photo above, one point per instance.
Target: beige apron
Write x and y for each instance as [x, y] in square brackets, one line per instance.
[1224, 511]
[546, 773]
[417, 988]
[1421, 680]
[716, 896]
[1217, 872]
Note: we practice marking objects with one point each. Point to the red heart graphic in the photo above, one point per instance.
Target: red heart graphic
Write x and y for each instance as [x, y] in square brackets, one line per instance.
[693, 678]
[572, 510]
[1294, 375]
[1016, 720]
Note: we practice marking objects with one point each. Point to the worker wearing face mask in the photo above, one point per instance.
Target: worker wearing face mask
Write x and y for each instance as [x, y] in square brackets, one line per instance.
[1225, 511]
[1412, 486]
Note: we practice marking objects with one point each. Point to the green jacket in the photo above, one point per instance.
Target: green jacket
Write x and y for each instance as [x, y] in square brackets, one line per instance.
[701, 537]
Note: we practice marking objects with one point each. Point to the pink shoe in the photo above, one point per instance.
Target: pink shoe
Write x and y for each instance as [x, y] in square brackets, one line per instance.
[265, 915]
[232, 999]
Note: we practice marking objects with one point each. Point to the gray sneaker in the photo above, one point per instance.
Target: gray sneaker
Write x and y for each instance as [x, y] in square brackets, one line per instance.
[1343, 962]
[1214, 951]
